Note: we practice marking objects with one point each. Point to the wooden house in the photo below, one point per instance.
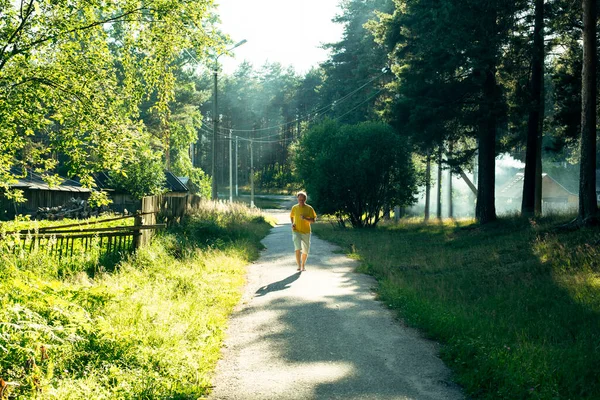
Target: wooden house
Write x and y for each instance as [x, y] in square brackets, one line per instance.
[39, 194]
[555, 196]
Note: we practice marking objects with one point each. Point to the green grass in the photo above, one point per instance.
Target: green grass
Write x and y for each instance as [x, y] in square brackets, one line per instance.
[152, 329]
[25, 255]
[34, 225]
[516, 305]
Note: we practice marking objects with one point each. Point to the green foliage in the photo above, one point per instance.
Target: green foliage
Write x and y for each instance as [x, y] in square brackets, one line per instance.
[199, 183]
[98, 199]
[566, 119]
[515, 305]
[353, 171]
[144, 176]
[152, 329]
[356, 58]
[276, 177]
[74, 74]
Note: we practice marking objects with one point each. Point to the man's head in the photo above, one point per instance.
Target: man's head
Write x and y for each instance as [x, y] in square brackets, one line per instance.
[301, 196]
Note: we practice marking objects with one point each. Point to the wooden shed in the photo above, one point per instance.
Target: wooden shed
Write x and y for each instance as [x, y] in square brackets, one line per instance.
[39, 194]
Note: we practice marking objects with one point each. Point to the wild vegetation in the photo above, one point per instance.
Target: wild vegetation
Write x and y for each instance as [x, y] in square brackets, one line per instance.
[451, 87]
[351, 175]
[151, 328]
[124, 87]
[515, 304]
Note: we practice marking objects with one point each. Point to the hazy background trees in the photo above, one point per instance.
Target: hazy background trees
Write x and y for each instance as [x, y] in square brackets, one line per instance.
[459, 81]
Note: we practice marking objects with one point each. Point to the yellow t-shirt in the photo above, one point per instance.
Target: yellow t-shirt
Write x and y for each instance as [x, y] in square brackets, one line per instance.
[302, 226]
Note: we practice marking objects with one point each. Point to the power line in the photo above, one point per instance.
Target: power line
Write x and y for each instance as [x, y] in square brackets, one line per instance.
[261, 139]
[317, 113]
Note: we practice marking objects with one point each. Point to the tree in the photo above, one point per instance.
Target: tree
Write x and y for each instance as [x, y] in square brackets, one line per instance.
[145, 176]
[446, 55]
[588, 206]
[358, 59]
[73, 75]
[530, 202]
[352, 171]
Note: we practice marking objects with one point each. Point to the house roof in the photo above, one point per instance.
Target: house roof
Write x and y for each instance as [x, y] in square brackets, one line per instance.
[514, 187]
[174, 184]
[34, 181]
[102, 181]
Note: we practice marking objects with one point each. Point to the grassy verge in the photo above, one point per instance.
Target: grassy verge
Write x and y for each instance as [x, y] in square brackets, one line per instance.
[515, 304]
[152, 329]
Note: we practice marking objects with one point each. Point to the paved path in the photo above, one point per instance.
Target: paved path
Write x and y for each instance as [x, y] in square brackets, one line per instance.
[321, 335]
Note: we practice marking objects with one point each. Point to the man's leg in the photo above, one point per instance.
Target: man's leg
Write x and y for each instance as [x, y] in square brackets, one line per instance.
[297, 247]
[298, 258]
[305, 248]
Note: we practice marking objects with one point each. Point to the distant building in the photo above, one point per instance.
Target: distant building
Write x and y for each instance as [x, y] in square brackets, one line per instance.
[555, 196]
[38, 193]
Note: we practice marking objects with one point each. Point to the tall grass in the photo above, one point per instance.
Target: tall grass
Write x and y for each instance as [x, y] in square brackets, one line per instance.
[515, 304]
[152, 329]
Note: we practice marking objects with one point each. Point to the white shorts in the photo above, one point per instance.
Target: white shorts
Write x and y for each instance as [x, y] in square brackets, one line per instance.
[301, 241]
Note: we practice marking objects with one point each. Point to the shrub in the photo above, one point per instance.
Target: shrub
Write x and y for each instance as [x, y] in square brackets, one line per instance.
[353, 171]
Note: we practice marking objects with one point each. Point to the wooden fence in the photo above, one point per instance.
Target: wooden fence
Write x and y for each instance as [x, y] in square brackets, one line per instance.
[62, 240]
[157, 213]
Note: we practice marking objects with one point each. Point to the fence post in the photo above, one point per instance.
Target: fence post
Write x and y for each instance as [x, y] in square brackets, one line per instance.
[137, 233]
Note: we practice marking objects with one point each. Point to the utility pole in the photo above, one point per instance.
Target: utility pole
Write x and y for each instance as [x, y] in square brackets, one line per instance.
[251, 175]
[230, 166]
[236, 166]
[214, 195]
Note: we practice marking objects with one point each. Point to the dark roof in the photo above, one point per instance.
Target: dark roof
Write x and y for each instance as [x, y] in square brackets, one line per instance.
[34, 181]
[174, 184]
[102, 181]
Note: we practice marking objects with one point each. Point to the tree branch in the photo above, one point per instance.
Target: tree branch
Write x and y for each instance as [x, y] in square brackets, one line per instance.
[17, 31]
[20, 50]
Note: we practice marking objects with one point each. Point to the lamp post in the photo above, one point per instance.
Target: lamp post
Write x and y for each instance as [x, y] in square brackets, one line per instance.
[214, 194]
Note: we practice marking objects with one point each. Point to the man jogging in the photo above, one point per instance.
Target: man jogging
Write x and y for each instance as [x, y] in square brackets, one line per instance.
[302, 216]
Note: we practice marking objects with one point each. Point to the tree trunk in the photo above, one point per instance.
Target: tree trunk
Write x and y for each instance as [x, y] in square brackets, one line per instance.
[450, 205]
[538, 176]
[439, 184]
[427, 184]
[485, 210]
[536, 117]
[588, 207]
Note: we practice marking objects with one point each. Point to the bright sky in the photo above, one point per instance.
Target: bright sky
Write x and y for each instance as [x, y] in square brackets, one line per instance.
[285, 31]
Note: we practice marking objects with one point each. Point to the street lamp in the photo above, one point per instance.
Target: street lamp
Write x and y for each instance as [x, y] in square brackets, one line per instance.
[216, 122]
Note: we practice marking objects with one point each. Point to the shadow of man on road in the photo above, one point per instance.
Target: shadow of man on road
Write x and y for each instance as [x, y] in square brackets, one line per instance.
[277, 286]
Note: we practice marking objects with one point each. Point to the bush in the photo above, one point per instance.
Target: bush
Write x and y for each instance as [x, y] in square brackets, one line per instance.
[353, 171]
[145, 176]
